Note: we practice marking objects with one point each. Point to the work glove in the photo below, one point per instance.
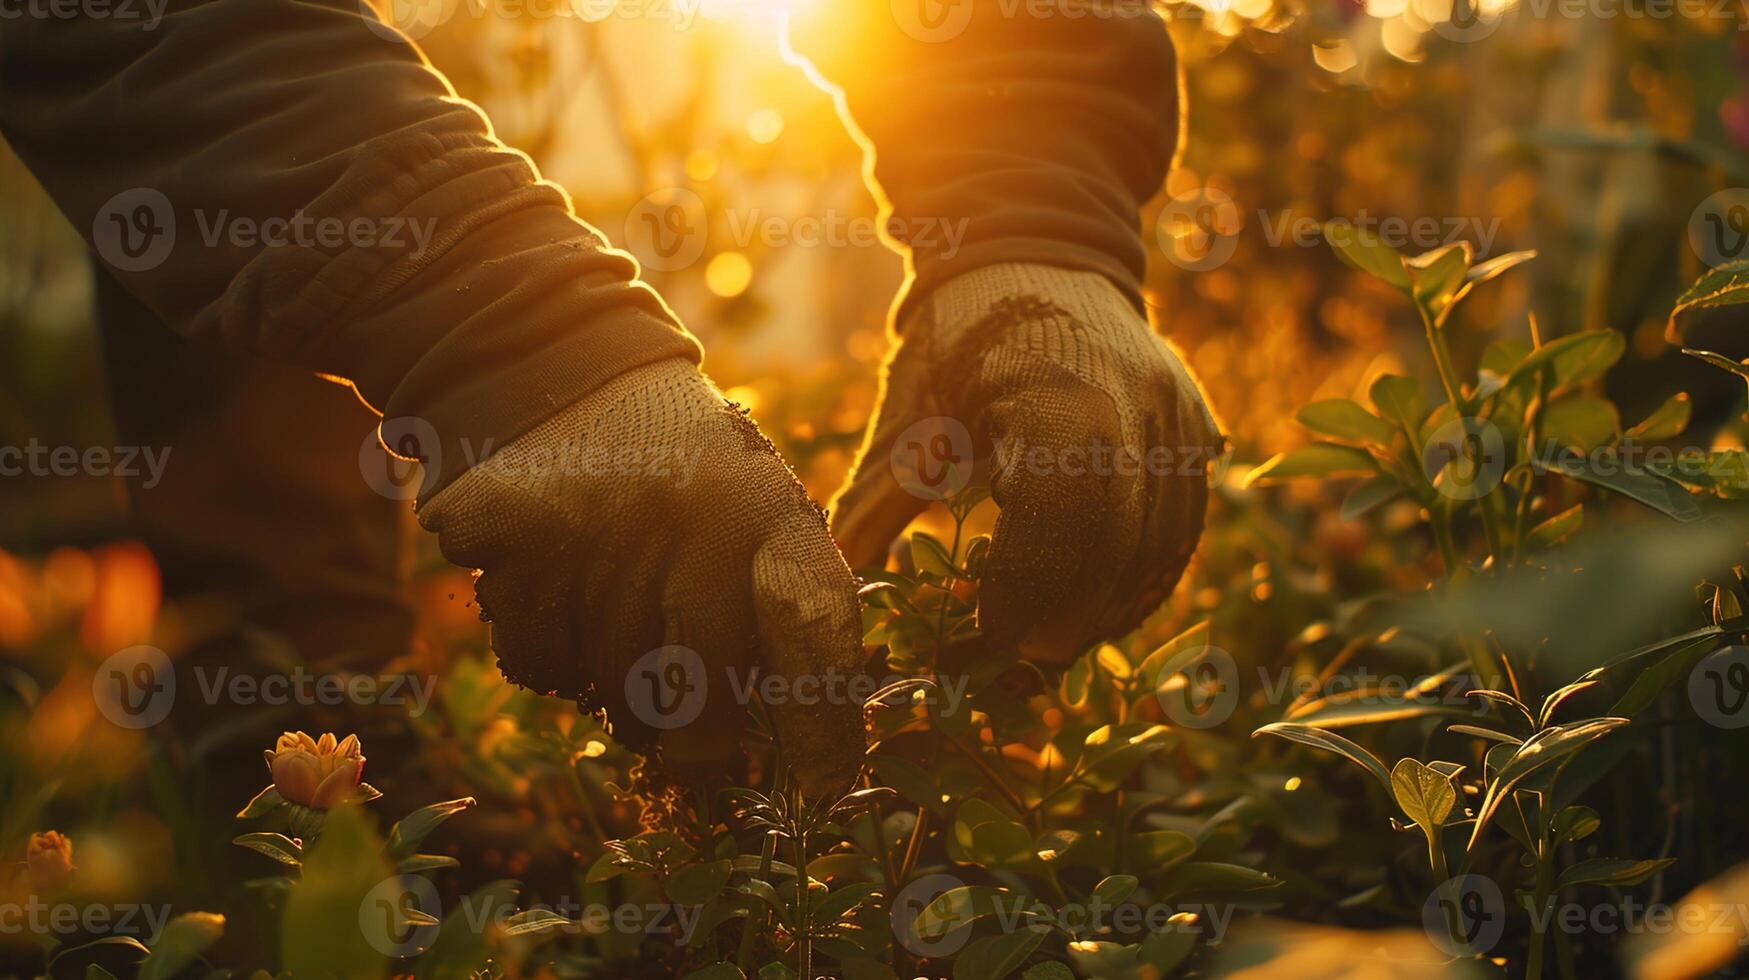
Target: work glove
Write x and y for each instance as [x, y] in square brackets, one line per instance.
[646, 548]
[1094, 439]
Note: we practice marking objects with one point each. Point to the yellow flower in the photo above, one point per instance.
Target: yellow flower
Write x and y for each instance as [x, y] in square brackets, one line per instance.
[49, 856]
[317, 773]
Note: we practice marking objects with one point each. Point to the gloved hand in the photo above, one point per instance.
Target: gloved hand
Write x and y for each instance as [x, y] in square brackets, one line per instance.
[1094, 437]
[650, 514]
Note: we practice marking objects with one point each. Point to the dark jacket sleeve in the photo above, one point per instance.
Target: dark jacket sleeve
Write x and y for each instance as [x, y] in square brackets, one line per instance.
[1034, 129]
[263, 171]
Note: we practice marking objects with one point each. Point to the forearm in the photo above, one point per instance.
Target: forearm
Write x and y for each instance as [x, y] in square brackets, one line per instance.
[1034, 129]
[412, 253]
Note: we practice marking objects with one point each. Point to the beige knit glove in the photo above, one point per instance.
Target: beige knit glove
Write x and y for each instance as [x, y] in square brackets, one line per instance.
[1094, 437]
[641, 552]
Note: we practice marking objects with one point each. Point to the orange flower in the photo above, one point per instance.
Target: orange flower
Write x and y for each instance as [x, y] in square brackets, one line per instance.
[49, 856]
[317, 773]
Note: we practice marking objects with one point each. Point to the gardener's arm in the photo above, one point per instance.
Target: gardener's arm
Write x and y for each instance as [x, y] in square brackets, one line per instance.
[1012, 143]
[426, 263]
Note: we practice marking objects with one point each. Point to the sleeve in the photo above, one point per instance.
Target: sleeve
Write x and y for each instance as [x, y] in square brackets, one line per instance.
[1032, 130]
[291, 176]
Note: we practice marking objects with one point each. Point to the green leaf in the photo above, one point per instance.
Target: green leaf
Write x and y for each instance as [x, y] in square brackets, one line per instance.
[909, 779]
[183, 940]
[1215, 876]
[1399, 399]
[420, 863]
[533, 921]
[1643, 486]
[1048, 970]
[930, 555]
[1371, 495]
[995, 957]
[1160, 848]
[1425, 794]
[1330, 742]
[1581, 422]
[1487, 733]
[276, 846]
[1481, 272]
[864, 968]
[1667, 421]
[1345, 419]
[1618, 872]
[405, 835]
[1558, 528]
[319, 932]
[1546, 747]
[697, 884]
[1113, 889]
[264, 802]
[1366, 251]
[1572, 359]
[1438, 275]
[958, 906]
[1654, 679]
[1727, 285]
[1325, 459]
[1575, 823]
